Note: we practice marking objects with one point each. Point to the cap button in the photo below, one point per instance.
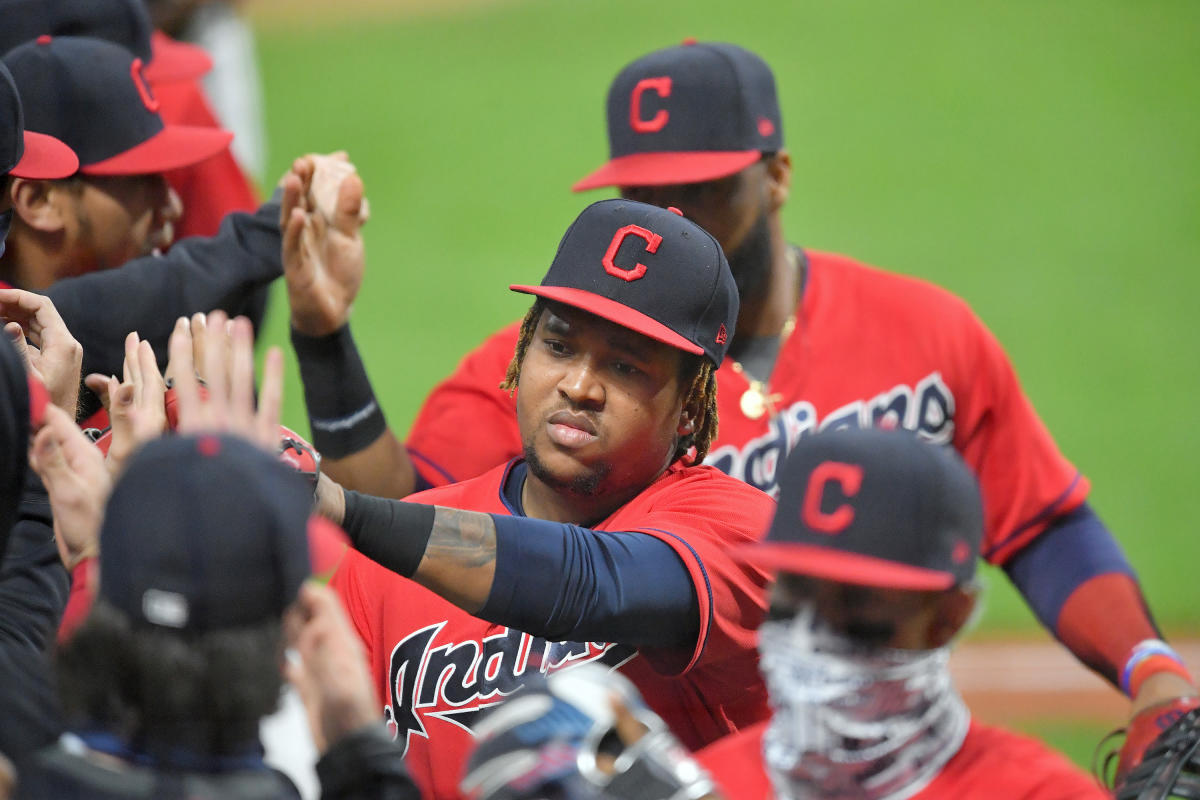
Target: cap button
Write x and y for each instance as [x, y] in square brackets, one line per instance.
[674, 210]
[44, 39]
[689, 41]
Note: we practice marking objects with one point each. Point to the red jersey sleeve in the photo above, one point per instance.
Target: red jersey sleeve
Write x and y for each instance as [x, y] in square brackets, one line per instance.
[715, 687]
[468, 424]
[1025, 480]
[702, 518]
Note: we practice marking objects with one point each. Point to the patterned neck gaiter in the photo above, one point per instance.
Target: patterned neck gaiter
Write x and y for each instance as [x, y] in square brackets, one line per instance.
[854, 722]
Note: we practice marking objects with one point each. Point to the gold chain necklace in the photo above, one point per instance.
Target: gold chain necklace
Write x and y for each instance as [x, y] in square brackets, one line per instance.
[756, 401]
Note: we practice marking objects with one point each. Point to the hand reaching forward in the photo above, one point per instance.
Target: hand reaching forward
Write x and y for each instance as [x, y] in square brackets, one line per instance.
[41, 337]
[77, 481]
[323, 255]
[135, 403]
[228, 404]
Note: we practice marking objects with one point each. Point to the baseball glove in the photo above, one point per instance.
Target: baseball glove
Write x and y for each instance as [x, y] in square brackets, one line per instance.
[1170, 767]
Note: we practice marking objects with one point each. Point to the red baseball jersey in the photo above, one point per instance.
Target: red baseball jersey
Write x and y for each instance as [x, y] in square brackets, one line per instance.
[992, 763]
[437, 666]
[869, 348]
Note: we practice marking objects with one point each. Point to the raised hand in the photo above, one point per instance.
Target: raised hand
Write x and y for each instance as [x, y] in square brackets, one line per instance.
[78, 484]
[227, 404]
[41, 337]
[135, 403]
[323, 255]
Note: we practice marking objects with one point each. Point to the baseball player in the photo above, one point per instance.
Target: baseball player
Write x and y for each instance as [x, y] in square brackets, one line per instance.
[874, 548]
[599, 543]
[822, 342]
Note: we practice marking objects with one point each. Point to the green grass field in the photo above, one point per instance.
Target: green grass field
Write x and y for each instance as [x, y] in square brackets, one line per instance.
[1041, 159]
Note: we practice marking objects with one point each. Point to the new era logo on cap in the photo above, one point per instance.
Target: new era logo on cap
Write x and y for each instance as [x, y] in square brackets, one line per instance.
[648, 269]
[876, 508]
[686, 114]
[93, 96]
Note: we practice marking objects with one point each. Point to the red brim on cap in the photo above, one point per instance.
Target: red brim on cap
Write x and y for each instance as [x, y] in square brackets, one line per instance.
[45, 159]
[39, 398]
[172, 61]
[667, 168]
[173, 147]
[838, 565]
[613, 311]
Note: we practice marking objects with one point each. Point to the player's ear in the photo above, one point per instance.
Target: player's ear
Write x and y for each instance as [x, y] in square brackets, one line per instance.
[39, 204]
[954, 607]
[779, 178]
[687, 424]
[688, 414]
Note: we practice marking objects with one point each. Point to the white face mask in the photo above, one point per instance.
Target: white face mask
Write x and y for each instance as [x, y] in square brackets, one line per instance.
[855, 722]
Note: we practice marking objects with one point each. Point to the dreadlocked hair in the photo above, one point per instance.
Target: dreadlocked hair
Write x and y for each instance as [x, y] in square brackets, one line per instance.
[528, 326]
[702, 398]
[696, 371]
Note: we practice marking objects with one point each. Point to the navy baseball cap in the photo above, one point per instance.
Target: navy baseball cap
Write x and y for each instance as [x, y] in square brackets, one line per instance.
[205, 532]
[875, 508]
[124, 22]
[692, 113]
[23, 153]
[647, 269]
[93, 95]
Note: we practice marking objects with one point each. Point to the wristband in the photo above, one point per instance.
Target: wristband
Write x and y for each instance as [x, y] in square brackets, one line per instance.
[392, 533]
[342, 411]
[1148, 658]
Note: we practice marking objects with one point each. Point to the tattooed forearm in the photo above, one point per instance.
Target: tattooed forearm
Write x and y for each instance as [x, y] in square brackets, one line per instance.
[465, 538]
[460, 559]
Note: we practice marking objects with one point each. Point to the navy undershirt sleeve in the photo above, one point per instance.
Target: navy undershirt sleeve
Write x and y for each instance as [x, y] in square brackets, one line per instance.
[1075, 548]
[563, 582]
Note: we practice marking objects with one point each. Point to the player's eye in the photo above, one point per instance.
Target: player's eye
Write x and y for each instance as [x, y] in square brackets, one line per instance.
[556, 347]
[625, 368]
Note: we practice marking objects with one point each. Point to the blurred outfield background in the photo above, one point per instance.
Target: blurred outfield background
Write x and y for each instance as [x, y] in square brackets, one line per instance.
[1041, 158]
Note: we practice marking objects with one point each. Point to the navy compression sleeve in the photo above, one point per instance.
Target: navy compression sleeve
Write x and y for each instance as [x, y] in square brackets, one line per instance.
[1076, 548]
[563, 582]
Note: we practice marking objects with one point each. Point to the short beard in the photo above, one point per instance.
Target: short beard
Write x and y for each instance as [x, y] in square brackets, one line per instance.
[751, 261]
[587, 485]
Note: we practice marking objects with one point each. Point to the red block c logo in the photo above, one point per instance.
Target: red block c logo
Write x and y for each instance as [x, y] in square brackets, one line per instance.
[849, 478]
[139, 80]
[652, 239]
[661, 87]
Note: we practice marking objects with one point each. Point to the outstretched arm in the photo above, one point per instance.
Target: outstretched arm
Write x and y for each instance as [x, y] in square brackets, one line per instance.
[323, 258]
[550, 579]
